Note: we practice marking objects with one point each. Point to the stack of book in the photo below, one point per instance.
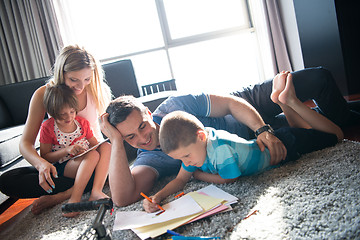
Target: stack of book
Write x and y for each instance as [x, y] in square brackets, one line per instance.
[186, 209]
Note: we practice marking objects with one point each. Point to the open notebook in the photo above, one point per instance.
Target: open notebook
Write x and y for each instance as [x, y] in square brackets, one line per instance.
[90, 149]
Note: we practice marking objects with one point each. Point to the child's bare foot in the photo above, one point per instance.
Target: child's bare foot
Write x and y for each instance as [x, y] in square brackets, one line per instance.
[279, 83]
[97, 195]
[288, 95]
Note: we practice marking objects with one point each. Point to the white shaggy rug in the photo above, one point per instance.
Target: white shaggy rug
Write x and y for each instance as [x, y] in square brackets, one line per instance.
[315, 197]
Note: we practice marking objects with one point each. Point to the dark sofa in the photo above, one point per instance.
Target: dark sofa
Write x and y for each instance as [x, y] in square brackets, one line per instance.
[15, 98]
[14, 103]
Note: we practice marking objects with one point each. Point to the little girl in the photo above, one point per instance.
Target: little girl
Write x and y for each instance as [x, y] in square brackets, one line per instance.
[66, 135]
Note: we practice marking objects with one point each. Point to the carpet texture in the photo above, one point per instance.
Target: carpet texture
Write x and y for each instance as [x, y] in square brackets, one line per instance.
[315, 197]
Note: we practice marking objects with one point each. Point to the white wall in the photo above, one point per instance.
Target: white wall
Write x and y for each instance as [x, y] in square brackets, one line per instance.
[291, 33]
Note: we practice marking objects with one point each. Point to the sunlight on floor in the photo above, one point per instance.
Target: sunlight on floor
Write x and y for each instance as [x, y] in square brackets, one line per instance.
[268, 223]
[72, 233]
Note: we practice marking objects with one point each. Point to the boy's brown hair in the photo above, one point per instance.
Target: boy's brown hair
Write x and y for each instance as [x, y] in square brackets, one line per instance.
[178, 129]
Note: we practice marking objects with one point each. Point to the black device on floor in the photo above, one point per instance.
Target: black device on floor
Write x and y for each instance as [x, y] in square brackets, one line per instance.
[97, 230]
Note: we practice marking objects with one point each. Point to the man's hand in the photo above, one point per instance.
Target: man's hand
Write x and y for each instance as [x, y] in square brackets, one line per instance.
[109, 130]
[276, 147]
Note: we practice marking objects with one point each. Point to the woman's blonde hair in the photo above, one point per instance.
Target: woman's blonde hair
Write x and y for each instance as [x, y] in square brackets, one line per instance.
[74, 58]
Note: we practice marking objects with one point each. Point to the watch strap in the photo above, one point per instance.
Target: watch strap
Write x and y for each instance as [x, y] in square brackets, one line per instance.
[265, 128]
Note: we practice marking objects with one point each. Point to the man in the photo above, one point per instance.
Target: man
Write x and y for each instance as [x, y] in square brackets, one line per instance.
[241, 113]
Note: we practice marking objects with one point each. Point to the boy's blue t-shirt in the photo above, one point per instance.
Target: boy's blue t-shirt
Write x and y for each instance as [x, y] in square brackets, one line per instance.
[231, 156]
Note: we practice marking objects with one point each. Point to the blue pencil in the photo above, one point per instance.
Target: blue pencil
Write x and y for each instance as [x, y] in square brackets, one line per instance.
[173, 233]
[192, 238]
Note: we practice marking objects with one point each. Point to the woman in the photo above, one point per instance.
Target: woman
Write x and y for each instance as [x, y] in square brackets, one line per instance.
[79, 70]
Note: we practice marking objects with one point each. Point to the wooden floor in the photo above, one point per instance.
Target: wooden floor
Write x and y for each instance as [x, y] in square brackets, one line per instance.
[11, 208]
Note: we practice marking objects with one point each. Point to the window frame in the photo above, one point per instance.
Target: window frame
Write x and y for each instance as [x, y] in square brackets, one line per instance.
[251, 11]
[169, 42]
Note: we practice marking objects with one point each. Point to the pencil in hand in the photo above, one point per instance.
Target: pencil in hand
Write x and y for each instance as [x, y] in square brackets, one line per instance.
[149, 199]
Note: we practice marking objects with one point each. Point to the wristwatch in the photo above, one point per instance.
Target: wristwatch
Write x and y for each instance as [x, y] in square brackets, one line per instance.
[264, 128]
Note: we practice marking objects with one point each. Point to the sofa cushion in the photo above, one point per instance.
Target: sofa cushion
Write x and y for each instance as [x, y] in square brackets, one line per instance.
[121, 78]
[16, 97]
[9, 145]
[5, 117]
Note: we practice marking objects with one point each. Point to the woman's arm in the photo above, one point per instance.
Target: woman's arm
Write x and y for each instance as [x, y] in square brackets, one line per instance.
[34, 119]
[243, 112]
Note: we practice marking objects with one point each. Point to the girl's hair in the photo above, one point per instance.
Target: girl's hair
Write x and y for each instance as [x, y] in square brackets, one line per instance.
[57, 97]
[74, 58]
[178, 129]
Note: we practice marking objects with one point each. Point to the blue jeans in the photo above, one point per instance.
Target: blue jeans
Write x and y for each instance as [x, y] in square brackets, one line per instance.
[313, 83]
[299, 141]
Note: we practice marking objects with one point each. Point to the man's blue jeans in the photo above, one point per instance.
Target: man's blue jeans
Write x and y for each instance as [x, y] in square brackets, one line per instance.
[312, 83]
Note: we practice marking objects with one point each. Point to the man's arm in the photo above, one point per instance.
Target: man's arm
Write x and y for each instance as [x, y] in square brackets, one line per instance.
[125, 185]
[243, 112]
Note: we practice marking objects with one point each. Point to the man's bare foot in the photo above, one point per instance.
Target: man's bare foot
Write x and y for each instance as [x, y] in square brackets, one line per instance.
[288, 95]
[47, 201]
[97, 195]
[279, 83]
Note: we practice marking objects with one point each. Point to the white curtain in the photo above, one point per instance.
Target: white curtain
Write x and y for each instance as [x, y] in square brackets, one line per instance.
[29, 38]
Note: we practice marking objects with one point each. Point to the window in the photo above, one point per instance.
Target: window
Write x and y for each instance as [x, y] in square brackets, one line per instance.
[206, 45]
[186, 18]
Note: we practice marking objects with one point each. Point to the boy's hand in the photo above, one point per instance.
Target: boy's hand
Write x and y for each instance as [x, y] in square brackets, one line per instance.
[151, 206]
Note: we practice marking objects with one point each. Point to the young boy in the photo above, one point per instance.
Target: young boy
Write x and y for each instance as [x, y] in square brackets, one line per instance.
[223, 157]
[65, 135]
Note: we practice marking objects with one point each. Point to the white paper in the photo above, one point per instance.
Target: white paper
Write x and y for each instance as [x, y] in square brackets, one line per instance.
[181, 207]
[216, 192]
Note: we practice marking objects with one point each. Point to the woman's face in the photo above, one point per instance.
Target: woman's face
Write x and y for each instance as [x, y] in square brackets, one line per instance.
[78, 80]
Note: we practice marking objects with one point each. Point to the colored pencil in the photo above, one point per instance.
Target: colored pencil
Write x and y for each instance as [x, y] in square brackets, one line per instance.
[149, 199]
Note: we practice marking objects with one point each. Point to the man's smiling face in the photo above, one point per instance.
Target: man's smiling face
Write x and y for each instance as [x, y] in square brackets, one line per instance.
[139, 130]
